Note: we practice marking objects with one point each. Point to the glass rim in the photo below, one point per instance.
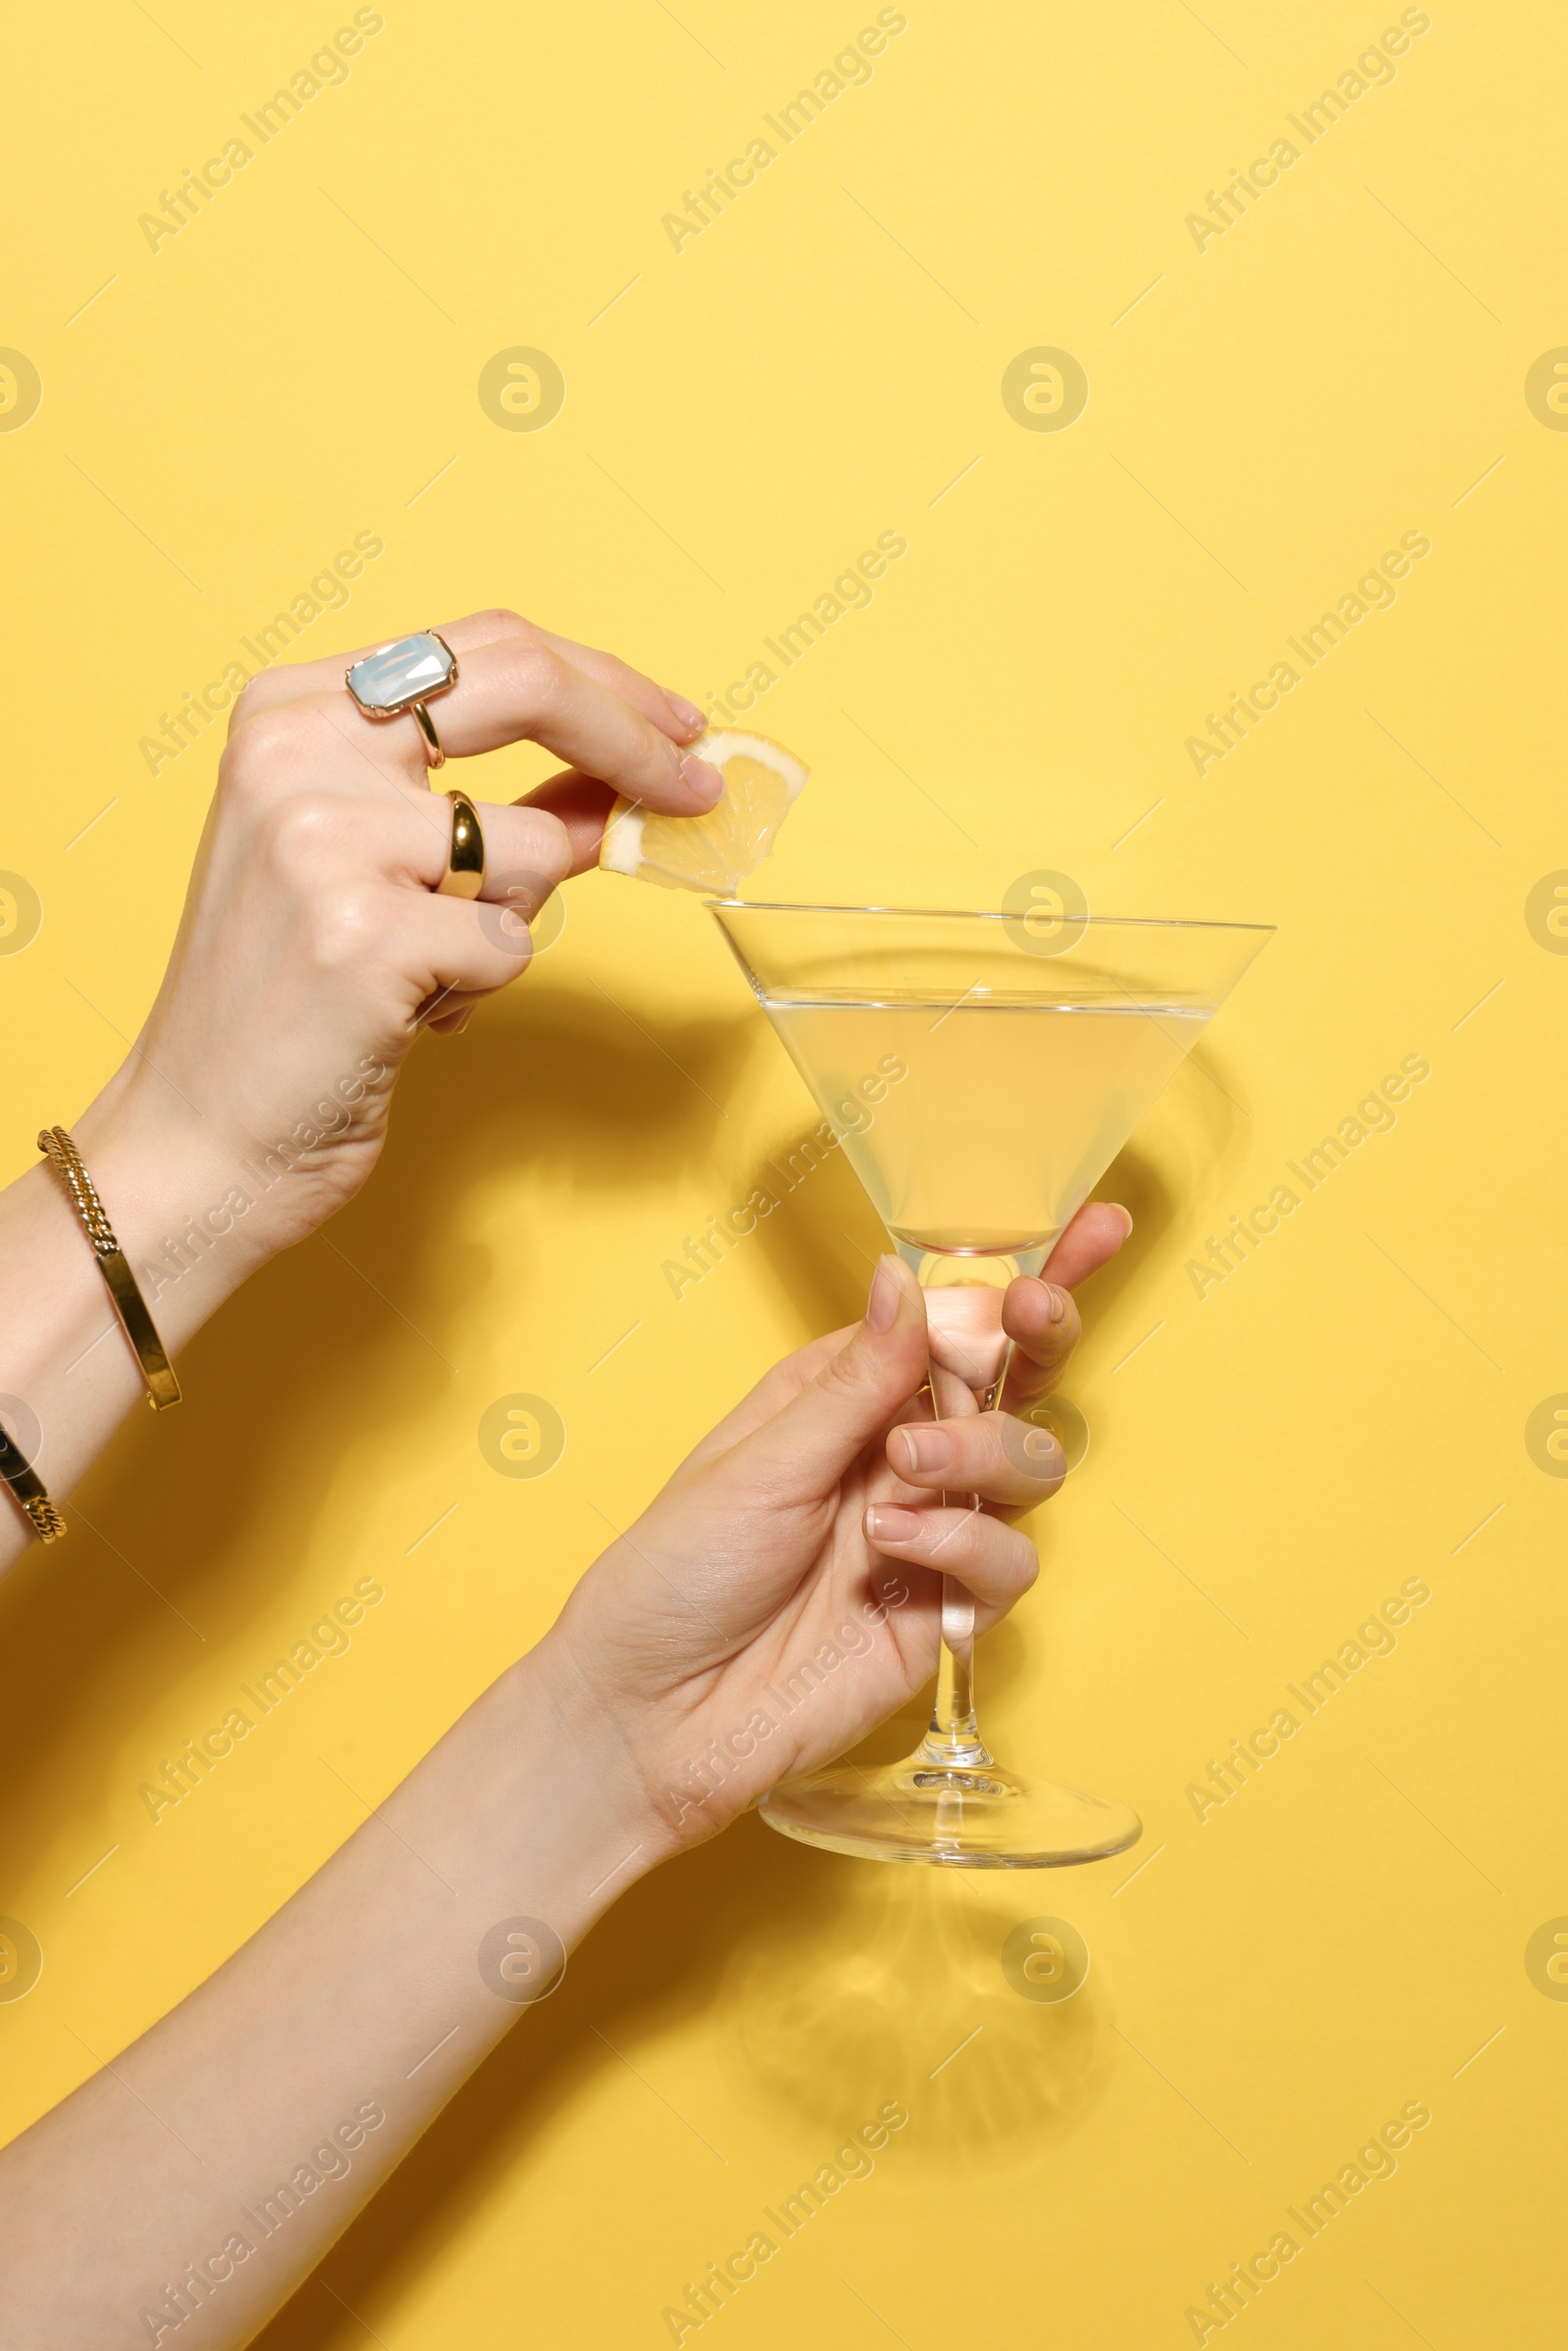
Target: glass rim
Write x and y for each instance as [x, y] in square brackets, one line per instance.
[1129, 922]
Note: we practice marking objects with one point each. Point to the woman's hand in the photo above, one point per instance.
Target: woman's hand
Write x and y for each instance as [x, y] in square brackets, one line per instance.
[314, 945]
[669, 1694]
[313, 949]
[810, 1530]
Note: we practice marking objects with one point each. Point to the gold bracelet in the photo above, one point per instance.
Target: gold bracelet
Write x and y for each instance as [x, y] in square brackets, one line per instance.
[28, 1487]
[163, 1388]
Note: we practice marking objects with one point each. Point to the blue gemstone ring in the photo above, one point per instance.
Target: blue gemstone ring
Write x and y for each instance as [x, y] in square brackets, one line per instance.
[404, 676]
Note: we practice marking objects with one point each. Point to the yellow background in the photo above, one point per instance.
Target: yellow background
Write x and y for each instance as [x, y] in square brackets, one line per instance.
[1344, 365]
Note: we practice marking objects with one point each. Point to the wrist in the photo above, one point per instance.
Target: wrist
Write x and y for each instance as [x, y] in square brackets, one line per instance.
[173, 1191]
[523, 1814]
[593, 1751]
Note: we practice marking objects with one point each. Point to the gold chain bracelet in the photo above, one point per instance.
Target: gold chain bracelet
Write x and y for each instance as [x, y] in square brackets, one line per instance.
[162, 1389]
[28, 1487]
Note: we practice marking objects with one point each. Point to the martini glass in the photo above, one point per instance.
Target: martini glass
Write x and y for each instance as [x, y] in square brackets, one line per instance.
[980, 1071]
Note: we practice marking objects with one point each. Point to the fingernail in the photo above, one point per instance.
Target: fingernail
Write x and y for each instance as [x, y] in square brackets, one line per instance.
[459, 1024]
[686, 712]
[1059, 1304]
[1126, 1216]
[705, 784]
[882, 1304]
[892, 1525]
[928, 1448]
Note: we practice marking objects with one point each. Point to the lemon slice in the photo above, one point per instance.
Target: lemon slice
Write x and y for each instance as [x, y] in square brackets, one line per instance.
[714, 851]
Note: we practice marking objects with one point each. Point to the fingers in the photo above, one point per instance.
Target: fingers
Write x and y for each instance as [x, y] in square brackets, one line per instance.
[506, 917]
[453, 950]
[334, 833]
[968, 1345]
[993, 1454]
[297, 682]
[657, 703]
[325, 812]
[1042, 1321]
[993, 1560]
[1091, 1241]
[525, 692]
[811, 1441]
[480, 945]
[293, 681]
[1040, 1316]
[527, 850]
[582, 803]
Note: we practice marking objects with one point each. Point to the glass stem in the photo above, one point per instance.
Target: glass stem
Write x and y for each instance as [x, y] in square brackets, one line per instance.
[954, 1736]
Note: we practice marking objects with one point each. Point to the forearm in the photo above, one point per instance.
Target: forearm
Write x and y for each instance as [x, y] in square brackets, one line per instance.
[192, 1222]
[63, 1357]
[315, 943]
[237, 2139]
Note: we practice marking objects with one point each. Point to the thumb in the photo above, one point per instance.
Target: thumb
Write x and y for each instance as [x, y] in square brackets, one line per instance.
[807, 1445]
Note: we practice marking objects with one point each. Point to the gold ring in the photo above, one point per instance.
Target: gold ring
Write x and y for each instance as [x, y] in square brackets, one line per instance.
[400, 679]
[465, 873]
[435, 757]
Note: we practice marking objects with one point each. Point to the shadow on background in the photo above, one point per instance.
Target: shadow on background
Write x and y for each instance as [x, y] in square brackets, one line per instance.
[341, 1336]
[850, 1986]
[900, 1990]
[856, 1983]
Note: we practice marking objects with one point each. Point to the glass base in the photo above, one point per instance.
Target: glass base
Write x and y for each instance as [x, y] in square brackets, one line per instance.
[954, 1816]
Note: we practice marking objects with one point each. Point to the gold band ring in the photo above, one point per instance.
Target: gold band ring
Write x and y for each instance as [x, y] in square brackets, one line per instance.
[465, 873]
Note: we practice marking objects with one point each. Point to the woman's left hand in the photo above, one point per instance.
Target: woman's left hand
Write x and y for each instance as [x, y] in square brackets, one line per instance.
[810, 1529]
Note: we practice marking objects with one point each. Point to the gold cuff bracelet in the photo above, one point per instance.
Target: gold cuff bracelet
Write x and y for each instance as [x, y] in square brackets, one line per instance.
[162, 1389]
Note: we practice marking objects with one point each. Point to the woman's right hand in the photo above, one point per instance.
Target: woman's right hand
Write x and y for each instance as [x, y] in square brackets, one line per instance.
[812, 1530]
[314, 946]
